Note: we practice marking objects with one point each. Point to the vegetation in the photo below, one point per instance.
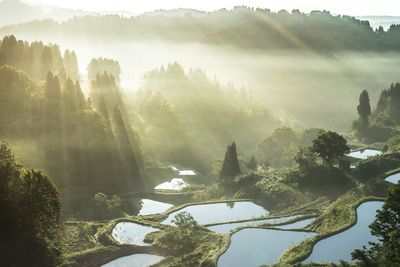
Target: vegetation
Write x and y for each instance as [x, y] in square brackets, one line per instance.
[386, 227]
[315, 177]
[30, 215]
[373, 167]
[364, 109]
[329, 146]
[185, 237]
[100, 207]
[257, 29]
[80, 143]
[103, 65]
[230, 166]
[279, 149]
[197, 115]
[106, 148]
[381, 124]
[252, 164]
[37, 59]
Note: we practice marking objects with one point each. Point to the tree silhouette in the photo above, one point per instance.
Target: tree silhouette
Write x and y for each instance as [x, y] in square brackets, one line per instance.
[29, 212]
[187, 232]
[252, 164]
[71, 64]
[329, 146]
[387, 228]
[230, 167]
[364, 108]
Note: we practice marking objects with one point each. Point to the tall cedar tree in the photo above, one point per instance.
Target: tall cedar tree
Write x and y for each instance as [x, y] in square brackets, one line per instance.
[230, 167]
[364, 108]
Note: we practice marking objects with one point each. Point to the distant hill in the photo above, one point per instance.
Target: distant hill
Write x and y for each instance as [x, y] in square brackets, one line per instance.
[384, 21]
[15, 11]
[242, 27]
[179, 12]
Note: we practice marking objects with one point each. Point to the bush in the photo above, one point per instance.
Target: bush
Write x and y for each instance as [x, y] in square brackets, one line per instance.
[375, 166]
[321, 179]
[102, 208]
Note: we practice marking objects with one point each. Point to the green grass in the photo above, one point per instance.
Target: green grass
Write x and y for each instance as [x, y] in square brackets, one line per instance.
[205, 253]
[79, 236]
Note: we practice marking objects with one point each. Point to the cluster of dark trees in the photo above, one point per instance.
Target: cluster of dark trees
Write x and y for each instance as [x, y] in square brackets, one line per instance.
[101, 65]
[29, 215]
[85, 145]
[196, 116]
[328, 148]
[320, 167]
[280, 147]
[37, 59]
[386, 227]
[230, 170]
[380, 124]
[241, 26]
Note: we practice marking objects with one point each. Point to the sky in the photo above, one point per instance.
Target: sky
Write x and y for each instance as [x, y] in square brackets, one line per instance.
[348, 7]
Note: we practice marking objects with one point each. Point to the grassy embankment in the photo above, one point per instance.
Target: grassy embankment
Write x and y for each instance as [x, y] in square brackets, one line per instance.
[339, 216]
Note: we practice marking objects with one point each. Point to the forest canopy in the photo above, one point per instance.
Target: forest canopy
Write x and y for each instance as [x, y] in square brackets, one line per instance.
[241, 27]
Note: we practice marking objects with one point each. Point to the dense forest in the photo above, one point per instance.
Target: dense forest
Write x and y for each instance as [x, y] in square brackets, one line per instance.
[184, 168]
[257, 28]
[47, 110]
[196, 115]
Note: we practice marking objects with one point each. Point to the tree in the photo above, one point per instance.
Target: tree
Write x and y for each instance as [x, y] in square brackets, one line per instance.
[2, 58]
[102, 207]
[53, 88]
[46, 60]
[128, 148]
[80, 97]
[101, 65]
[187, 232]
[383, 101]
[29, 215]
[305, 159]
[69, 96]
[278, 148]
[230, 167]
[252, 164]
[364, 108]
[71, 64]
[52, 104]
[329, 146]
[387, 228]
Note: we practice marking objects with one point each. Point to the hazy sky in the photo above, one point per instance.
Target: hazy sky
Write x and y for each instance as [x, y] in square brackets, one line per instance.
[350, 7]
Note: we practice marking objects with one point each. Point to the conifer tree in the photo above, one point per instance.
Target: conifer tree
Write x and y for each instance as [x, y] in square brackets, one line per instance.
[53, 88]
[252, 164]
[80, 97]
[69, 96]
[230, 167]
[364, 108]
[71, 64]
[46, 63]
[129, 157]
